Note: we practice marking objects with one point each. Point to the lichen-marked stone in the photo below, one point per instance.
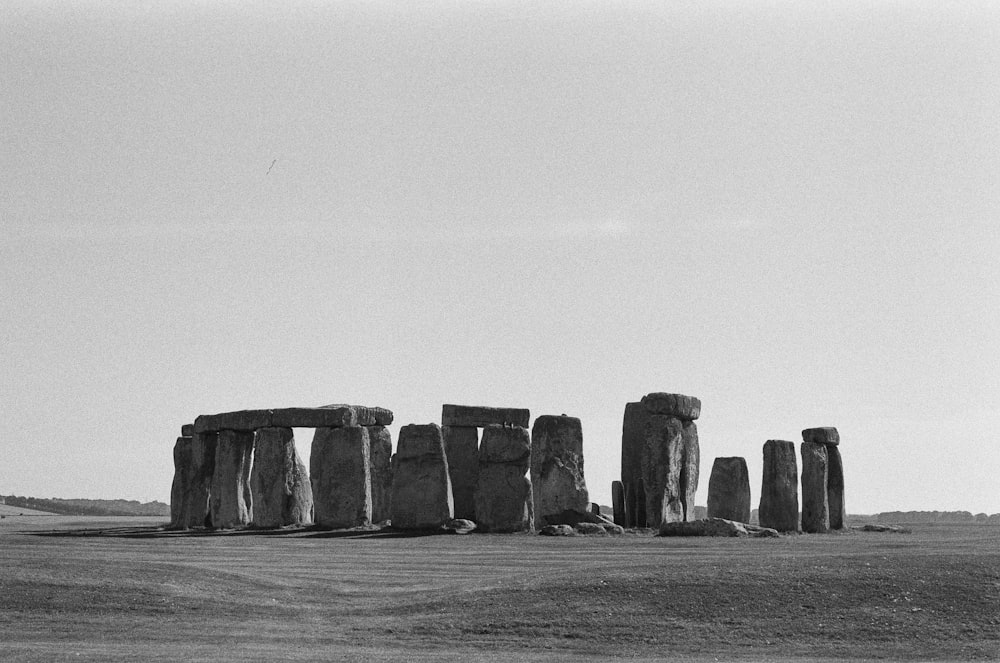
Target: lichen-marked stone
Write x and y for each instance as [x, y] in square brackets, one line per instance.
[232, 504]
[815, 505]
[779, 492]
[835, 488]
[690, 462]
[557, 478]
[282, 494]
[340, 472]
[421, 487]
[663, 455]
[461, 444]
[504, 500]
[380, 457]
[729, 490]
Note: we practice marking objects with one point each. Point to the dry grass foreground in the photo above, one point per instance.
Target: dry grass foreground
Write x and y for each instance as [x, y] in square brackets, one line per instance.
[119, 590]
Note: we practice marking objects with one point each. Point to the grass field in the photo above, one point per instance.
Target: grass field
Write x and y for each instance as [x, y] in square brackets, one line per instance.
[120, 590]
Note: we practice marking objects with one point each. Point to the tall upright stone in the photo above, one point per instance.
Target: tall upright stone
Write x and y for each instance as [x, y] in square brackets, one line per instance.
[232, 504]
[779, 492]
[197, 510]
[661, 470]
[557, 479]
[282, 494]
[633, 441]
[461, 445]
[421, 487]
[835, 488]
[815, 505]
[183, 480]
[380, 456]
[729, 490]
[690, 464]
[618, 504]
[503, 493]
[340, 470]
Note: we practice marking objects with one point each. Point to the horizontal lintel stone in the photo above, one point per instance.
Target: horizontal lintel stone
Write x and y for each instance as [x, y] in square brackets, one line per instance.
[827, 435]
[686, 408]
[482, 416]
[294, 417]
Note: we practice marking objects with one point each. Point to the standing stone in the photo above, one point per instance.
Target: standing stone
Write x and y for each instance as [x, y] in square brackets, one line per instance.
[835, 488]
[503, 493]
[815, 507]
[662, 459]
[282, 494]
[197, 505]
[633, 441]
[461, 444]
[557, 478]
[181, 487]
[690, 463]
[618, 503]
[421, 488]
[729, 490]
[380, 456]
[232, 504]
[340, 467]
[779, 492]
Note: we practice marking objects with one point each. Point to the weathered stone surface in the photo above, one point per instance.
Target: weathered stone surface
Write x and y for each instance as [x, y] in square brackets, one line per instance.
[183, 479]
[827, 435]
[477, 416]
[815, 507]
[459, 526]
[729, 489]
[187, 430]
[715, 527]
[380, 457]
[618, 503]
[779, 492]
[294, 417]
[197, 509]
[421, 487]
[662, 459]
[557, 530]
[690, 462]
[503, 493]
[557, 479]
[461, 445]
[340, 469]
[590, 529]
[835, 488]
[282, 494]
[232, 504]
[686, 408]
[633, 442]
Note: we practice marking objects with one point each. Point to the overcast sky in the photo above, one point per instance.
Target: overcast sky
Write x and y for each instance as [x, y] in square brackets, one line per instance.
[789, 210]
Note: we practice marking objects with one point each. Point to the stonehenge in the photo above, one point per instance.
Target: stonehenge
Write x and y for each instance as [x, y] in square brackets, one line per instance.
[280, 491]
[729, 490]
[230, 499]
[660, 461]
[779, 492]
[557, 479]
[823, 485]
[340, 470]
[421, 486]
[504, 501]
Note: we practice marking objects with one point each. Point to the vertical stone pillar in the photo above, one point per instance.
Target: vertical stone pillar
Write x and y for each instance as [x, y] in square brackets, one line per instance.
[830, 438]
[633, 440]
[180, 489]
[557, 479]
[461, 444]
[729, 490]
[340, 470]
[232, 504]
[282, 494]
[421, 487]
[380, 454]
[835, 488]
[197, 505]
[661, 470]
[779, 492]
[618, 503]
[815, 507]
[503, 493]
[690, 463]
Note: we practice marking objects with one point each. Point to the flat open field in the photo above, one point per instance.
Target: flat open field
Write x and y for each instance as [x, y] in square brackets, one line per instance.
[119, 590]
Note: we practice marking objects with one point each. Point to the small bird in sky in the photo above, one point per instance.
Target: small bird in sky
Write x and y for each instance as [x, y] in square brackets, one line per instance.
[270, 167]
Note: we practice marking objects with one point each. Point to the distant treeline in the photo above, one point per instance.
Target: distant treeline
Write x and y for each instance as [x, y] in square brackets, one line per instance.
[81, 507]
[938, 517]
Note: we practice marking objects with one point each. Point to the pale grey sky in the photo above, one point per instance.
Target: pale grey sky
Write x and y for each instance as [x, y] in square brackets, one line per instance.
[787, 209]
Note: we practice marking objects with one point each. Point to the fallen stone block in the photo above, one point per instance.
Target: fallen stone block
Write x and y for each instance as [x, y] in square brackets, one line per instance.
[715, 527]
[557, 530]
[590, 529]
[478, 416]
[421, 487]
[459, 526]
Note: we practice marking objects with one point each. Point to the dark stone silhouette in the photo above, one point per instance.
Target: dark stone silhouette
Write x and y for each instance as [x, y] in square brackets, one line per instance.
[729, 490]
[779, 492]
[421, 487]
[815, 507]
[503, 493]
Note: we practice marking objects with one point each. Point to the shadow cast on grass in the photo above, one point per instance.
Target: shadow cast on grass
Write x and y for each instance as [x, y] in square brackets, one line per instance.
[301, 532]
